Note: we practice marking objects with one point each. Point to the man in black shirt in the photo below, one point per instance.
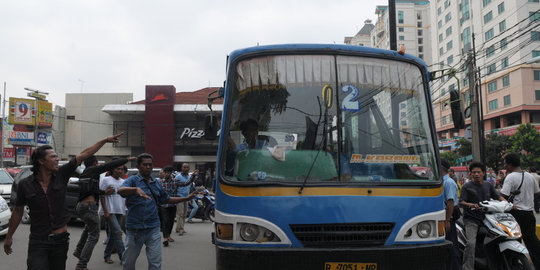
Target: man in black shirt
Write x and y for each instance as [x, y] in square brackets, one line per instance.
[44, 192]
[472, 193]
[87, 206]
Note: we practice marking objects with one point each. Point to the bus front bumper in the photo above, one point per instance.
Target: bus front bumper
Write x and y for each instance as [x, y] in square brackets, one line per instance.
[421, 256]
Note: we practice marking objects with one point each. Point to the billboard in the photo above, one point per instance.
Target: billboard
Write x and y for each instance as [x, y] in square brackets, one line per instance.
[21, 111]
[45, 113]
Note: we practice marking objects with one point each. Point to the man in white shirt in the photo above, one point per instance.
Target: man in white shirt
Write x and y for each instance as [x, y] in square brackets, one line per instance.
[115, 209]
[516, 179]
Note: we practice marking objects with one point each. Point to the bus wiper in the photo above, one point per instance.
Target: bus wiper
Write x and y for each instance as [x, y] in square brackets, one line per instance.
[323, 141]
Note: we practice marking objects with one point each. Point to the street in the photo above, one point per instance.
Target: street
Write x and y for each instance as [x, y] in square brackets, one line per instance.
[192, 251]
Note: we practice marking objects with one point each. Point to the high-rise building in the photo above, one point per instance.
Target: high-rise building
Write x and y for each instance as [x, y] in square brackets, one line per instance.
[505, 36]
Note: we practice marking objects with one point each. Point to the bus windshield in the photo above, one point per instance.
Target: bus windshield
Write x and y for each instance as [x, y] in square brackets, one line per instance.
[328, 118]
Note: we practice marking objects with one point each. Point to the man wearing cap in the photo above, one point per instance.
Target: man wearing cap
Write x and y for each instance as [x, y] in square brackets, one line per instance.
[450, 196]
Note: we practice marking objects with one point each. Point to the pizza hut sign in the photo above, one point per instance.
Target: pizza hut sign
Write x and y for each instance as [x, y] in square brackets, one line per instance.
[192, 133]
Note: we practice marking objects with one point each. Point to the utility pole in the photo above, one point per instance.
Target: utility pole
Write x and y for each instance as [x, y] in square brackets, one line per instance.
[392, 22]
[3, 115]
[474, 107]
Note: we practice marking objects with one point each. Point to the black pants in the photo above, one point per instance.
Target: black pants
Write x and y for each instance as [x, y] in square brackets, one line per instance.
[527, 222]
[167, 220]
[452, 236]
[50, 254]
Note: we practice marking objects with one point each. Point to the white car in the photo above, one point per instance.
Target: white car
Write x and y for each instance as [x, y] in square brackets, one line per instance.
[5, 214]
[5, 184]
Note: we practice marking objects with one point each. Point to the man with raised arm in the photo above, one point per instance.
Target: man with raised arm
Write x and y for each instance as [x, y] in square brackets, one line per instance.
[45, 192]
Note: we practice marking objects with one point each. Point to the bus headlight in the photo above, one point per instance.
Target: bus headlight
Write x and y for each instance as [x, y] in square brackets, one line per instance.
[249, 232]
[423, 229]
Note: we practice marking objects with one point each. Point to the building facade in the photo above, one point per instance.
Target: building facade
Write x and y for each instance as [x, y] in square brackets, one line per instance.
[505, 37]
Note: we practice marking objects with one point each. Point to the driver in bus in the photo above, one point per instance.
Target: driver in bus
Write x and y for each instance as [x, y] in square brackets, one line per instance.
[250, 131]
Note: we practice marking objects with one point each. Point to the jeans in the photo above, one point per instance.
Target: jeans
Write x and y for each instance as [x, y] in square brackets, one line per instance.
[194, 210]
[135, 238]
[89, 237]
[167, 216]
[471, 229]
[181, 211]
[115, 236]
[527, 223]
[452, 236]
[47, 254]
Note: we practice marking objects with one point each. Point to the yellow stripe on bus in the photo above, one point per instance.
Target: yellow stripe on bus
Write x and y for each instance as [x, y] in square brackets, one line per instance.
[329, 191]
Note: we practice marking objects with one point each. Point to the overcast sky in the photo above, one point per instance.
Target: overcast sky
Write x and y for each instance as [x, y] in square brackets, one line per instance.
[119, 46]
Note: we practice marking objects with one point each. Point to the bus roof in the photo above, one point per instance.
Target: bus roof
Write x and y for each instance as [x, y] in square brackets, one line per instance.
[331, 48]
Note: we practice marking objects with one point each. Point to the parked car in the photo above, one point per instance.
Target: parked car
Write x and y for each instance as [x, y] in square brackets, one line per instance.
[134, 171]
[6, 181]
[5, 215]
[72, 193]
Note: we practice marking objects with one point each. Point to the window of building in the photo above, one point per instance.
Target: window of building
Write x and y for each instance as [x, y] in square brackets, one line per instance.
[488, 17]
[492, 86]
[534, 16]
[439, 11]
[506, 100]
[401, 29]
[447, 17]
[446, 4]
[464, 11]
[450, 59]
[441, 37]
[452, 87]
[489, 34]
[491, 68]
[401, 37]
[467, 98]
[418, 15]
[506, 80]
[537, 94]
[533, 1]
[486, 2]
[535, 53]
[449, 31]
[466, 37]
[421, 56]
[400, 16]
[449, 45]
[420, 49]
[419, 24]
[535, 36]
[444, 120]
[537, 75]
[490, 51]
[420, 41]
[504, 62]
[500, 7]
[504, 44]
[441, 65]
[502, 26]
[420, 32]
[494, 104]
[439, 24]
[441, 51]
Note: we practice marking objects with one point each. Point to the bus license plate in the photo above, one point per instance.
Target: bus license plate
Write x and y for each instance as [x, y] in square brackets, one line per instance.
[349, 266]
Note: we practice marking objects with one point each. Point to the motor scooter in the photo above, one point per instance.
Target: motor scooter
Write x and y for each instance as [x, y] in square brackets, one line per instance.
[206, 202]
[498, 242]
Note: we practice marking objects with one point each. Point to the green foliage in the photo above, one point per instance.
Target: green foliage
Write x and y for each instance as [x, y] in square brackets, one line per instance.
[464, 147]
[495, 147]
[450, 156]
[527, 142]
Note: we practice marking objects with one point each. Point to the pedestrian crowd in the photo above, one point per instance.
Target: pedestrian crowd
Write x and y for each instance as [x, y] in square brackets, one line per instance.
[463, 196]
[148, 207]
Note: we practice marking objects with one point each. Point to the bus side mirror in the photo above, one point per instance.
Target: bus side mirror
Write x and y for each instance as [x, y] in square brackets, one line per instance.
[457, 113]
[210, 127]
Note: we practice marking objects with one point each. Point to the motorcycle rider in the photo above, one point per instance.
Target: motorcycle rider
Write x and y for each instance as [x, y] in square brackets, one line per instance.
[472, 193]
[523, 203]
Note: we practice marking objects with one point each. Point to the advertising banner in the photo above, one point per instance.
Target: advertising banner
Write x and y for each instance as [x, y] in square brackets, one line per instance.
[21, 111]
[20, 138]
[9, 154]
[45, 113]
[44, 138]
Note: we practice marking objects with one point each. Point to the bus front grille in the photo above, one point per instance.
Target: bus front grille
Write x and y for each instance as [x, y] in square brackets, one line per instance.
[342, 234]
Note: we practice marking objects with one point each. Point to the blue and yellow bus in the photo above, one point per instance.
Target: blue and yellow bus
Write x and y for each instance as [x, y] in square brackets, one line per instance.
[315, 162]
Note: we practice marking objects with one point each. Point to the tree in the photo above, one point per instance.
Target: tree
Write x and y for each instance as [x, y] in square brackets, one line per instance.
[495, 147]
[464, 147]
[450, 156]
[527, 142]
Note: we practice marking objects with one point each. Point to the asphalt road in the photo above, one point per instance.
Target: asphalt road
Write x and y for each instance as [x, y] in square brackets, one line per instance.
[192, 251]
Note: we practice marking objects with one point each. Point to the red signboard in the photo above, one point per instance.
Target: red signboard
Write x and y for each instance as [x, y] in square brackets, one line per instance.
[9, 153]
[512, 131]
[159, 123]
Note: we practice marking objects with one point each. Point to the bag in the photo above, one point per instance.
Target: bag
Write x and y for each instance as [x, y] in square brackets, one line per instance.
[517, 191]
[87, 185]
[457, 213]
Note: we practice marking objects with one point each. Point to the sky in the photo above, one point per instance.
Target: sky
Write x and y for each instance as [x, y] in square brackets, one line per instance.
[103, 46]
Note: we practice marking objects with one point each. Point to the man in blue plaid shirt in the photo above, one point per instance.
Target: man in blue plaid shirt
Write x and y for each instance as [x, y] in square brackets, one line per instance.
[168, 211]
